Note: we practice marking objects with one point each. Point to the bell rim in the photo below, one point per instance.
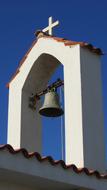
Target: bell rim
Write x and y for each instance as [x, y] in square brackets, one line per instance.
[46, 112]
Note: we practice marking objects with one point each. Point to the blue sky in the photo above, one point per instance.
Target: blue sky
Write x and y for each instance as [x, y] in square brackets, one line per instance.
[79, 20]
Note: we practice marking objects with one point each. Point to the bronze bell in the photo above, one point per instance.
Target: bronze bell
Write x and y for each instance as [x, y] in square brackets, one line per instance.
[51, 106]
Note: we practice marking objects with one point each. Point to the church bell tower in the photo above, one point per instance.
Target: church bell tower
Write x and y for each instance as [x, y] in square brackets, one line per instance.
[84, 122]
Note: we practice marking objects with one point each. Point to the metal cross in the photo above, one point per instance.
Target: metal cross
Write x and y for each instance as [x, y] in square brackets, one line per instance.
[51, 26]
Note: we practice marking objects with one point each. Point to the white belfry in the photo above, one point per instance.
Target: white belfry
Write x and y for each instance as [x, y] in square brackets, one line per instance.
[51, 25]
[84, 124]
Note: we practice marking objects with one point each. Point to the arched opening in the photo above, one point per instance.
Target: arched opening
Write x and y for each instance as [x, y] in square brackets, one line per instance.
[53, 127]
[45, 70]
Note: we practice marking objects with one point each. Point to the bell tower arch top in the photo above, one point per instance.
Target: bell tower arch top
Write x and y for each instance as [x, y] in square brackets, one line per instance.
[81, 64]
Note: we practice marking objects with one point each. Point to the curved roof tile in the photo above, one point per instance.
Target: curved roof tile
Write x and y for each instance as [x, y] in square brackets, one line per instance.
[53, 162]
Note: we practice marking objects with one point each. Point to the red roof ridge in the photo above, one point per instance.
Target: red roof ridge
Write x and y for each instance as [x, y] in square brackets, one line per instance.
[70, 42]
[58, 39]
[53, 162]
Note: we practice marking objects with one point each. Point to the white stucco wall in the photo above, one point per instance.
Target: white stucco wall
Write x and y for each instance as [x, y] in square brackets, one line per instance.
[73, 109]
[92, 111]
[14, 115]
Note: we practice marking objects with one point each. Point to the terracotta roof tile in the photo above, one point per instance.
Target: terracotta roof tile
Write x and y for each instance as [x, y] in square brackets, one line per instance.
[82, 44]
[53, 162]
